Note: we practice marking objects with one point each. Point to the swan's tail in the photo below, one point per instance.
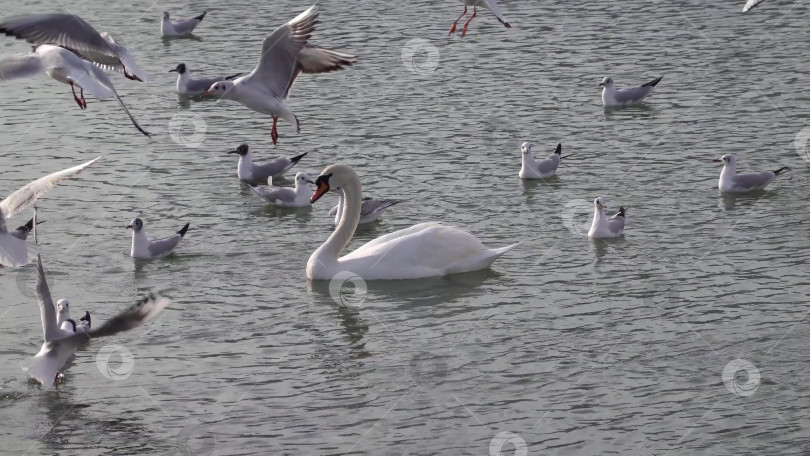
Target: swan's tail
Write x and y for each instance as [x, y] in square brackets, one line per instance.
[481, 261]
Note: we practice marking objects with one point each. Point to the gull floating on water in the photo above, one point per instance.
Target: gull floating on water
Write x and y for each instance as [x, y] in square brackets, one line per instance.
[144, 248]
[611, 96]
[73, 33]
[186, 85]
[370, 210]
[286, 196]
[285, 55]
[604, 227]
[731, 182]
[543, 169]
[66, 67]
[750, 4]
[491, 4]
[60, 343]
[249, 170]
[14, 251]
[181, 27]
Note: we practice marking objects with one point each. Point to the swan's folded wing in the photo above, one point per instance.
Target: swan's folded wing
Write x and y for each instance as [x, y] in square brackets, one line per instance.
[397, 234]
[18, 200]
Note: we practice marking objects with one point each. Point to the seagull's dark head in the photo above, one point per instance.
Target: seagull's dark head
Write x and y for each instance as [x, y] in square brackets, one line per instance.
[179, 69]
[136, 225]
[242, 150]
[165, 15]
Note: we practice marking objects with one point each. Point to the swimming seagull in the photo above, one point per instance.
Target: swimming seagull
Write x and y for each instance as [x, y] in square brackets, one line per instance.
[285, 55]
[65, 323]
[750, 4]
[297, 196]
[731, 182]
[370, 209]
[180, 27]
[188, 86]
[73, 33]
[611, 96]
[248, 170]
[144, 248]
[491, 4]
[22, 231]
[604, 227]
[533, 169]
[14, 251]
[60, 344]
[66, 67]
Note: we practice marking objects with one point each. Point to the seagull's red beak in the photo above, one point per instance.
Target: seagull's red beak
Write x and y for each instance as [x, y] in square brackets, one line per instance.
[206, 93]
[717, 160]
[129, 226]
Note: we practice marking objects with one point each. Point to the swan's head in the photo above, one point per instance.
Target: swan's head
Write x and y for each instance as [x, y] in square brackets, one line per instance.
[302, 179]
[727, 159]
[179, 69]
[242, 150]
[62, 306]
[136, 224]
[526, 148]
[607, 81]
[219, 88]
[599, 203]
[334, 178]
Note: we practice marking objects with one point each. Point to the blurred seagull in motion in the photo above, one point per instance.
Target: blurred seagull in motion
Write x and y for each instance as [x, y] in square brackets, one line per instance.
[297, 196]
[249, 170]
[604, 227]
[731, 182]
[611, 96]
[66, 67]
[491, 4]
[14, 251]
[370, 210]
[186, 85]
[144, 248]
[181, 27]
[750, 4]
[543, 169]
[23, 231]
[285, 55]
[73, 33]
[60, 343]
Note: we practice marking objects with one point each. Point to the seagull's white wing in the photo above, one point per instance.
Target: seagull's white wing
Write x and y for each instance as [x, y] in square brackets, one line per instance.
[15, 252]
[750, 4]
[46, 310]
[126, 58]
[276, 69]
[20, 66]
[18, 200]
[493, 5]
[105, 81]
[80, 73]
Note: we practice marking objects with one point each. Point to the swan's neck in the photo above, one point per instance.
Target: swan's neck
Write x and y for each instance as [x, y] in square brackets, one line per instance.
[339, 207]
[329, 252]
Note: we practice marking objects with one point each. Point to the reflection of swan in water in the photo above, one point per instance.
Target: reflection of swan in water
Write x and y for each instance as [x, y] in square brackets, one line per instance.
[423, 250]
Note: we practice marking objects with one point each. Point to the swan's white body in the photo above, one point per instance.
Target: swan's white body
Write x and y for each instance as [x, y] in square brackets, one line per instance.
[602, 226]
[423, 250]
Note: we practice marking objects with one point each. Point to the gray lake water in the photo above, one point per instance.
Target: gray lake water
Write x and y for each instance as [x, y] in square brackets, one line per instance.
[565, 347]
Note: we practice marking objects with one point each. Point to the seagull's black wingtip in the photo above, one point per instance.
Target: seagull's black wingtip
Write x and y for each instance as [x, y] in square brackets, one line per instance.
[298, 158]
[654, 82]
[781, 170]
[201, 16]
[183, 231]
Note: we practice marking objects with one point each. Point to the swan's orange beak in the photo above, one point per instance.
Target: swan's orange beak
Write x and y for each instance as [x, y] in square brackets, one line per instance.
[323, 187]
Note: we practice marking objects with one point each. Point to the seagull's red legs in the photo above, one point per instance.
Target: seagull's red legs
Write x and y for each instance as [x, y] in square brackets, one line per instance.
[78, 101]
[453, 28]
[274, 133]
[84, 102]
[464, 30]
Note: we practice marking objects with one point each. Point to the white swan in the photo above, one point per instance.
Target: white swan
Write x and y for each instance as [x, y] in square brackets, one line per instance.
[602, 226]
[423, 250]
